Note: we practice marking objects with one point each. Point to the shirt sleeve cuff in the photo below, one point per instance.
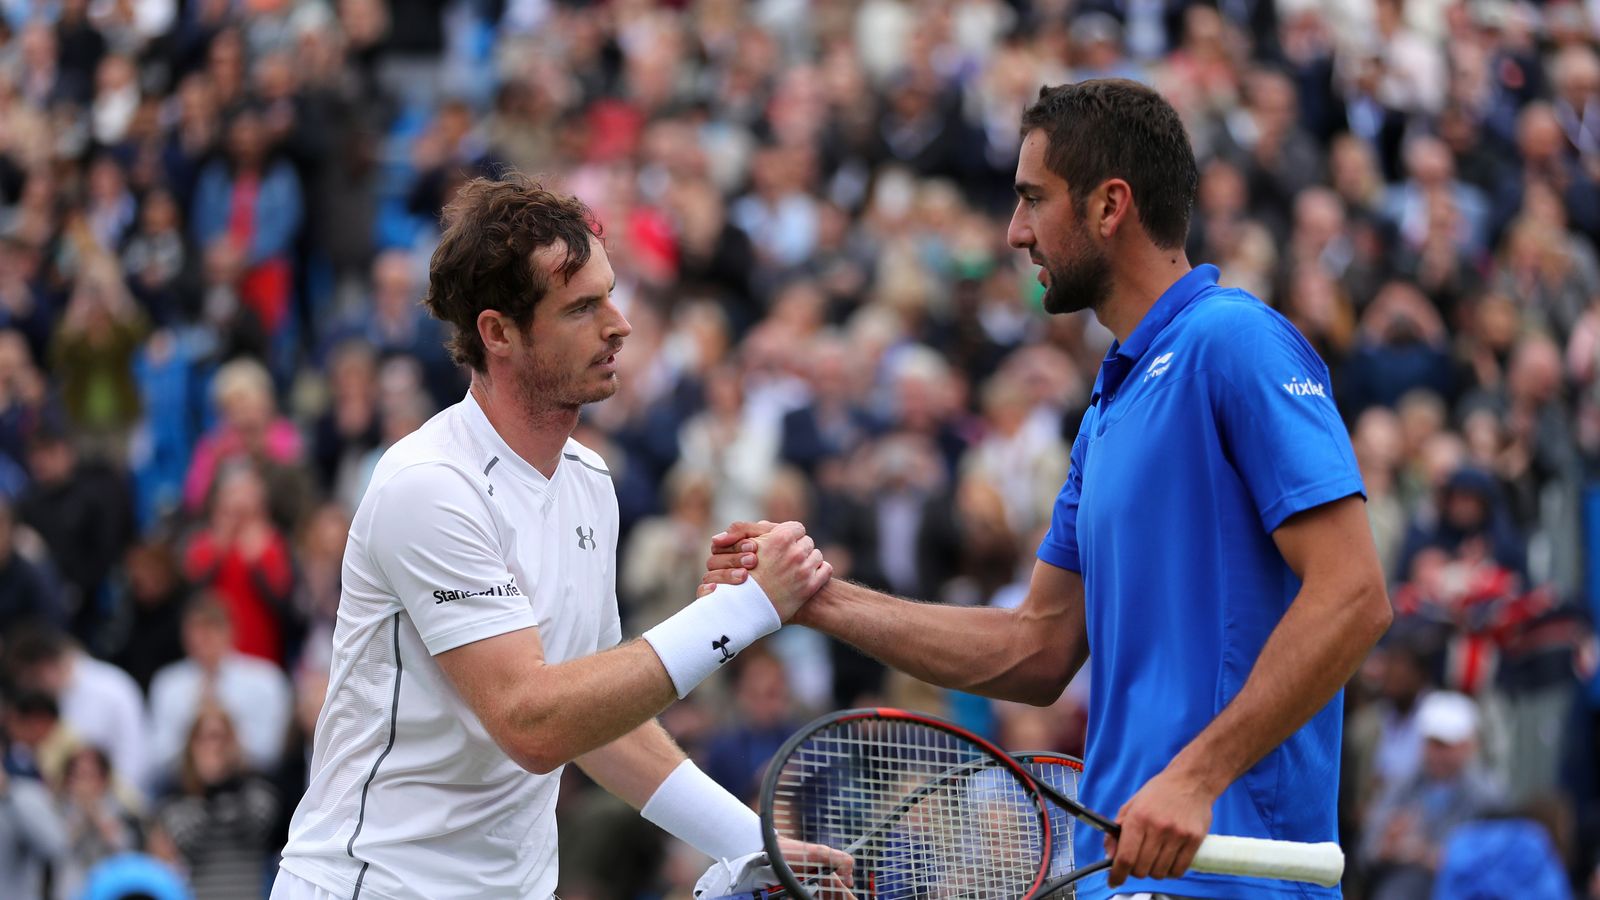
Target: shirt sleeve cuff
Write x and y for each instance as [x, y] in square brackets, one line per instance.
[1311, 497]
[1060, 557]
[505, 623]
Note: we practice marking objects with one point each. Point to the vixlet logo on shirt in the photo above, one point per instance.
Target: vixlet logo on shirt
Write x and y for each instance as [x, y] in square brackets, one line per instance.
[1308, 388]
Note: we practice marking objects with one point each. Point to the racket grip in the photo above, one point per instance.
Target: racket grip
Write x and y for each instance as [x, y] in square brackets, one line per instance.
[759, 894]
[1256, 857]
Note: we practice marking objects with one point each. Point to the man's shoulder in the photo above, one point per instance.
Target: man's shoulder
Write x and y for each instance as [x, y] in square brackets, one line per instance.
[1232, 327]
[257, 670]
[103, 676]
[590, 462]
[1224, 310]
[171, 677]
[442, 455]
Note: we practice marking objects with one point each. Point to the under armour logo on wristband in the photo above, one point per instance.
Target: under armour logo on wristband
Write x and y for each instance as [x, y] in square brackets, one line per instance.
[723, 646]
[585, 541]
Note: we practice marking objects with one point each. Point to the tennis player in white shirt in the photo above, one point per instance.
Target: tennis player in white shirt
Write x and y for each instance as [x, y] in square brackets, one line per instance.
[477, 645]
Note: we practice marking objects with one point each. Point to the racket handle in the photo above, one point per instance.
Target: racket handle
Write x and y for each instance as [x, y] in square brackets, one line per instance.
[772, 893]
[1256, 857]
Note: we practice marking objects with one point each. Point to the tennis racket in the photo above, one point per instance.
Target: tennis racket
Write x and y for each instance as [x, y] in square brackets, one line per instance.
[928, 809]
[1058, 770]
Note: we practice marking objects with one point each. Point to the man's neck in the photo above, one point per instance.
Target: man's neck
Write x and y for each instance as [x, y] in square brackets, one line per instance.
[535, 435]
[1137, 284]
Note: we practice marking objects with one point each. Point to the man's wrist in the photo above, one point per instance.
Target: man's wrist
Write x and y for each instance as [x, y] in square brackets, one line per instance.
[814, 612]
[696, 810]
[704, 635]
[1200, 769]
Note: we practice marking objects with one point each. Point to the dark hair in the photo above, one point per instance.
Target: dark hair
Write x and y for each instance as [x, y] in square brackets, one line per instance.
[207, 608]
[485, 258]
[34, 703]
[1116, 128]
[92, 751]
[37, 643]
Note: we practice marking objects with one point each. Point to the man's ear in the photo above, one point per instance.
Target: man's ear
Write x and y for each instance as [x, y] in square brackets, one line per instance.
[497, 333]
[1110, 208]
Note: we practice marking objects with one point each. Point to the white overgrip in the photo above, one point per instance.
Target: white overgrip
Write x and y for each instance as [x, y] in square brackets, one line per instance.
[1260, 858]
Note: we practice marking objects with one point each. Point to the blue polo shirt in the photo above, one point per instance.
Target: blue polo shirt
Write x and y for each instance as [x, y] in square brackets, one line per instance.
[1207, 429]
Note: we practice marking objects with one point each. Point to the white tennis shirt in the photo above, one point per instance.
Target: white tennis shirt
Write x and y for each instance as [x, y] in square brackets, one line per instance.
[456, 540]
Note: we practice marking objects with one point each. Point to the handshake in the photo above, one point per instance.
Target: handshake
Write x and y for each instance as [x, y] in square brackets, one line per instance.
[702, 636]
[791, 569]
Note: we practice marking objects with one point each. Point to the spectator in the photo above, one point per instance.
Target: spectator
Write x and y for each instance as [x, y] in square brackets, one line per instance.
[247, 211]
[160, 263]
[728, 441]
[664, 556]
[83, 513]
[36, 741]
[98, 824]
[251, 692]
[1407, 828]
[319, 562]
[99, 702]
[1383, 745]
[1431, 173]
[32, 836]
[1402, 347]
[29, 593]
[220, 820]
[244, 559]
[350, 427]
[153, 601]
[832, 424]
[249, 427]
[1016, 456]
[394, 323]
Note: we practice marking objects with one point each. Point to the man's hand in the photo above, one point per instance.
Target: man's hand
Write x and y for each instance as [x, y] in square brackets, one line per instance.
[733, 555]
[1162, 827]
[831, 869]
[793, 568]
[811, 860]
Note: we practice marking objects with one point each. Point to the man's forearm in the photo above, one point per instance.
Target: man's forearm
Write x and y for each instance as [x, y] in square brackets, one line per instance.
[649, 772]
[1026, 655]
[633, 766]
[587, 703]
[1312, 653]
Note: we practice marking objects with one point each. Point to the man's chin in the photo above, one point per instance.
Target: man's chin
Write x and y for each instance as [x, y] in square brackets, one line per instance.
[605, 390]
[1058, 302]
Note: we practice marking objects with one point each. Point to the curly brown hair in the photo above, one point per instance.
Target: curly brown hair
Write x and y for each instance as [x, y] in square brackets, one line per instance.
[484, 260]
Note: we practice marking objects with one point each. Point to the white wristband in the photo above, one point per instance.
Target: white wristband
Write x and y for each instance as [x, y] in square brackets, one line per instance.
[691, 807]
[702, 636]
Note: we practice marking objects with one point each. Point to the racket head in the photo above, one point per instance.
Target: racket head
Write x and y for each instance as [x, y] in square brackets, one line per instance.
[924, 806]
[1060, 771]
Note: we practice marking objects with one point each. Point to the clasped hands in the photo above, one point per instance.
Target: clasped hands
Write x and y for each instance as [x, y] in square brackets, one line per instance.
[791, 569]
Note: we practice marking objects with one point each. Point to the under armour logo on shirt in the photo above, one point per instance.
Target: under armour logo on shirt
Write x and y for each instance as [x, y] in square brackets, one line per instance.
[585, 541]
[723, 646]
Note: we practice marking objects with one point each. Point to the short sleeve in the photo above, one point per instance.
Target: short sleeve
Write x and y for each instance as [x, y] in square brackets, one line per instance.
[1279, 424]
[1060, 545]
[431, 535]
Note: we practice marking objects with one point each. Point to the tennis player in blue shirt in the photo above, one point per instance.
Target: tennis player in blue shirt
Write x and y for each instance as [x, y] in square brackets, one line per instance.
[1209, 555]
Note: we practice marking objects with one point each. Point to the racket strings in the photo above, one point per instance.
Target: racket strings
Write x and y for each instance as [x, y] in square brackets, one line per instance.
[924, 813]
[1064, 778]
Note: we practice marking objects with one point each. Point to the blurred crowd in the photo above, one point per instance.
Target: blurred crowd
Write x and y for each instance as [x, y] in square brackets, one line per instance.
[215, 223]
